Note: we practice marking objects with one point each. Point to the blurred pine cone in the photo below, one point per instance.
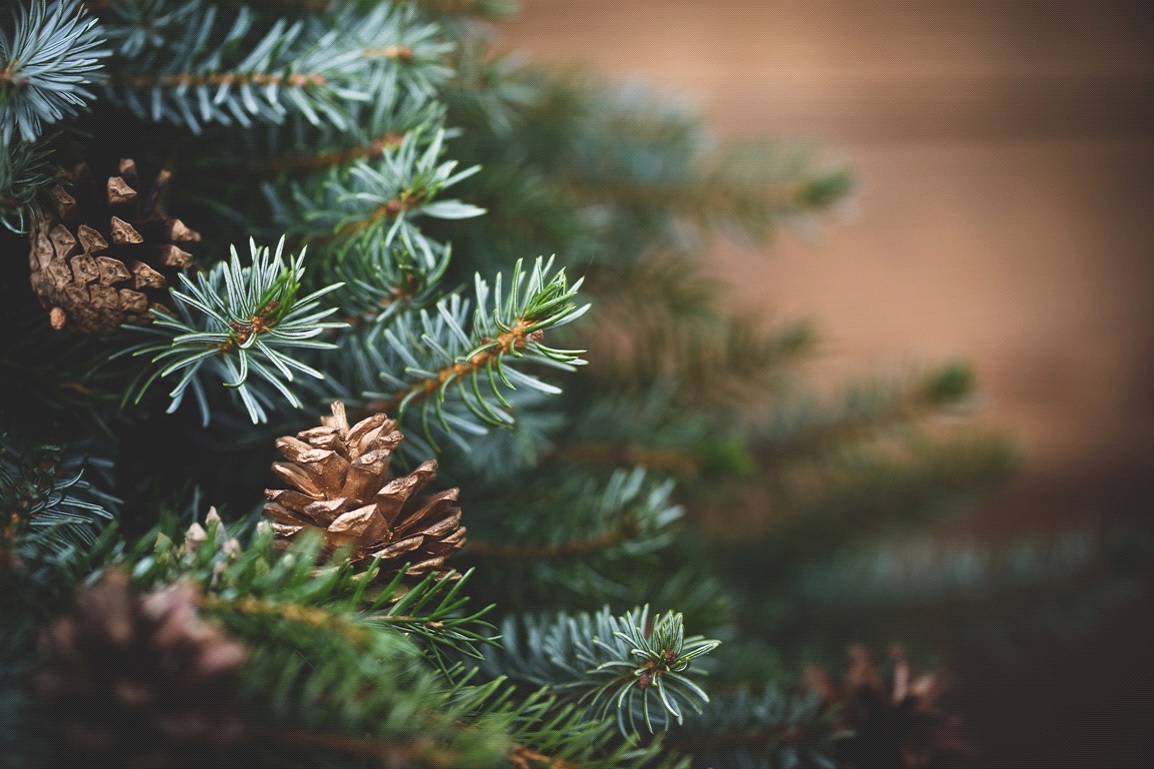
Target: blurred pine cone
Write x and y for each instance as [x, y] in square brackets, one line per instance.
[341, 487]
[137, 680]
[902, 728]
[98, 260]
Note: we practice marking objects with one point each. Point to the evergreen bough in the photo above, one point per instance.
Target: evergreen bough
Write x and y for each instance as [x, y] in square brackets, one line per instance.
[340, 127]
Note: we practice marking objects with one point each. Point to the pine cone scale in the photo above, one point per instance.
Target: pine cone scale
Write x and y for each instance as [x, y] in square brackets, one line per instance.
[296, 476]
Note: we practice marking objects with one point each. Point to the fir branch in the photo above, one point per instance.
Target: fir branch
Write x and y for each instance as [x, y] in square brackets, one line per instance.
[471, 351]
[298, 147]
[769, 730]
[374, 203]
[52, 514]
[45, 64]
[631, 664]
[248, 321]
[802, 426]
[254, 583]
[315, 618]
[294, 73]
[188, 80]
[662, 326]
[381, 282]
[225, 67]
[875, 488]
[25, 173]
[747, 186]
[596, 531]
[507, 342]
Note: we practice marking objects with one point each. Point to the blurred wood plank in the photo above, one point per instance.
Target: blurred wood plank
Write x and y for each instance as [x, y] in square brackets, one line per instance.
[1006, 155]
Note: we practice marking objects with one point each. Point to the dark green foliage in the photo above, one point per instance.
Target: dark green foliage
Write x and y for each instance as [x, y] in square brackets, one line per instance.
[53, 515]
[48, 58]
[634, 665]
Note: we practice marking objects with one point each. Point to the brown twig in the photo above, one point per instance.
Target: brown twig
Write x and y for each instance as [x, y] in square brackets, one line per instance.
[524, 757]
[296, 80]
[513, 339]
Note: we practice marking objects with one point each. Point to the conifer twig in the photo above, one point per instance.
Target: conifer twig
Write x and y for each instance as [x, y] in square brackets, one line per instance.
[514, 339]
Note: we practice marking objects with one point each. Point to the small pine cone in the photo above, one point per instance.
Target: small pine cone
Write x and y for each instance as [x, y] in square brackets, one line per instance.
[137, 680]
[899, 729]
[99, 260]
[341, 487]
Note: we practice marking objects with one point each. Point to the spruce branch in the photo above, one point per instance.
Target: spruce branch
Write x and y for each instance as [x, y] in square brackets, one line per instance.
[802, 426]
[554, 733]
[381, 282]
[743, 186]
[631, 514]
[632, 665]
[238, 325]
[46, 61]
[25, 173]
[254, 583]
[372, 204]
[222, 67]
[763, 731]
[471, 351]
[299, 148]
[52, 514]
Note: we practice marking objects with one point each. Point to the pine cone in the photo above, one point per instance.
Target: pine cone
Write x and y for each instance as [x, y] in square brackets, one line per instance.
[902, 729]
[341, 479]
[137, 680]
[98, 260]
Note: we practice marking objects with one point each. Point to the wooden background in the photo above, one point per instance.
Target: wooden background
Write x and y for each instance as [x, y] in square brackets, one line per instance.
[1005, 152]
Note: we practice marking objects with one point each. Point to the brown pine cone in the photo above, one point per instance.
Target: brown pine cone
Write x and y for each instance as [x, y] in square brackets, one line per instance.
[899, 729]
[99, 260]
[137, 680]
[341, 487]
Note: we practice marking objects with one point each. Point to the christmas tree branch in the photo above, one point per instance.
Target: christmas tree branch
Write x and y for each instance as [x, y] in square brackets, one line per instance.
[189, 79]
[632, 664]
[605, 520]
[772, 727]
[467, 350]
[315, 618]
[239, 325]
[373, 202]
[45, 63]
[507, 342]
